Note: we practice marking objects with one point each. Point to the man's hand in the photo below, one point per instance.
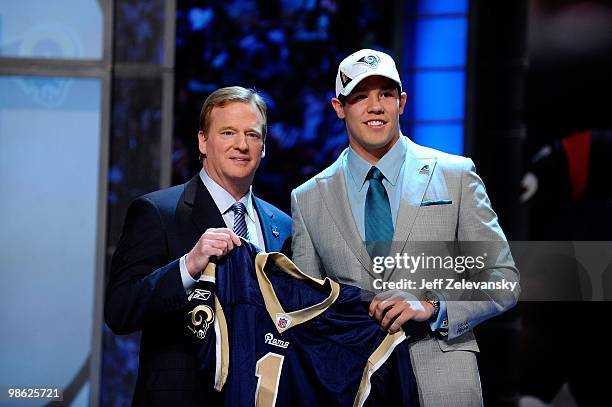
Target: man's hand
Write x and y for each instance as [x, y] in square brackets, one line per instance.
[214, 242]
[393, 308]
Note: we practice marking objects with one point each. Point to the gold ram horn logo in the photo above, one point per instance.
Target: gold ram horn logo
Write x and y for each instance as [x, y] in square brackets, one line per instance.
[202, 317]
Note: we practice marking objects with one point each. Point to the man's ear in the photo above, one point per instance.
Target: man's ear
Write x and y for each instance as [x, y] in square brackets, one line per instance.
[402, 102]
[337, 105]
[263, 151]
[202, 142]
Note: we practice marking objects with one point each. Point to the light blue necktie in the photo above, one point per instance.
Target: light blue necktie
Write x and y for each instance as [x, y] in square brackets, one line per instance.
[240, 226]
[378, 220]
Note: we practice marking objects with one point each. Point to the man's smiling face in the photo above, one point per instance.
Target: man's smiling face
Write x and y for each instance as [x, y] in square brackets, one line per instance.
[371, 113]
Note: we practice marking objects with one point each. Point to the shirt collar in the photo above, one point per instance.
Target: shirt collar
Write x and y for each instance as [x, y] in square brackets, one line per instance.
[390, 164]
[223, 199]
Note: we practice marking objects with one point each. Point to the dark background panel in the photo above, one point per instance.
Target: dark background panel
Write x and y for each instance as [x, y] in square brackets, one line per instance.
[289, 51]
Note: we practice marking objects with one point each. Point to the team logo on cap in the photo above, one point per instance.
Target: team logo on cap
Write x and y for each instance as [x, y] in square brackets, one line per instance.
[371, 60]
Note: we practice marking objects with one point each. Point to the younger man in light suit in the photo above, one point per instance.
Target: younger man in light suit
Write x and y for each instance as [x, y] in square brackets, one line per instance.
[384, 187]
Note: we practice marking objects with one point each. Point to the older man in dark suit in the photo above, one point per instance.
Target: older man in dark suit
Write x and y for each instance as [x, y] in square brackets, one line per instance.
[170, 236]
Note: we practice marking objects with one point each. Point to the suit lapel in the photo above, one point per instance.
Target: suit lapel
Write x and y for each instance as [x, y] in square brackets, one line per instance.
[333, 190]
[204, 211]
[416, 178]
[270, 230]
[201, 209]
[417, 175]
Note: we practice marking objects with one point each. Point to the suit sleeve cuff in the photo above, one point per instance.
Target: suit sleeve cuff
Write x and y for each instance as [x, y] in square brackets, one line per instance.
[186, 278]
[441, 323]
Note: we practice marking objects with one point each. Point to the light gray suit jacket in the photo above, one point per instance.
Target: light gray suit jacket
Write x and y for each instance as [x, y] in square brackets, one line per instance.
[326, 242]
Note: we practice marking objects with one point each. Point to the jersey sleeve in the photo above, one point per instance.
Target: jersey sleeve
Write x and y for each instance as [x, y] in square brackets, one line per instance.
[206, 330]
[393, 383]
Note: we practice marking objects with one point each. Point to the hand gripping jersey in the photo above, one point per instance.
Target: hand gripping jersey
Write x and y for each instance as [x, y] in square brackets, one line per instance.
[267, 334]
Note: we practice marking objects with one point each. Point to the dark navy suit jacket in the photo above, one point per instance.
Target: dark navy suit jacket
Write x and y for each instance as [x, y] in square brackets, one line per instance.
[145, 291]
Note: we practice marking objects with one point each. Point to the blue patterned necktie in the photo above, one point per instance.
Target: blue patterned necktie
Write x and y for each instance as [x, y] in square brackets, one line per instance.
[240, 226]
[378, 220]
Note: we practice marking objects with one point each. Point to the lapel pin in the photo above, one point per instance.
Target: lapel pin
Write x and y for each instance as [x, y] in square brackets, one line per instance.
[275, 232]
[424, 169]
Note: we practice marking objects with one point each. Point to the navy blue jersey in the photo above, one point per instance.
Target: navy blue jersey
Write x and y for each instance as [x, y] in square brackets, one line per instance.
[267, 335]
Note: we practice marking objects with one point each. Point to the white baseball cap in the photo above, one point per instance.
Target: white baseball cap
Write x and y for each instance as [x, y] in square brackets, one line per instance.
[362, 64]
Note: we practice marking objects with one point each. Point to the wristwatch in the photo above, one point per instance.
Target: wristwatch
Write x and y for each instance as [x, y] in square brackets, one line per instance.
[433, 299]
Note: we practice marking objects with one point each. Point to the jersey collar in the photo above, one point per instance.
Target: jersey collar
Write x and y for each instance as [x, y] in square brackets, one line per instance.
[285, 320]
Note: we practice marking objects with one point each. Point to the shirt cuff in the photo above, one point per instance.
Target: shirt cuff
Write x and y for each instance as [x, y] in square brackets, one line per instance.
[188, 281]
[441, 323]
